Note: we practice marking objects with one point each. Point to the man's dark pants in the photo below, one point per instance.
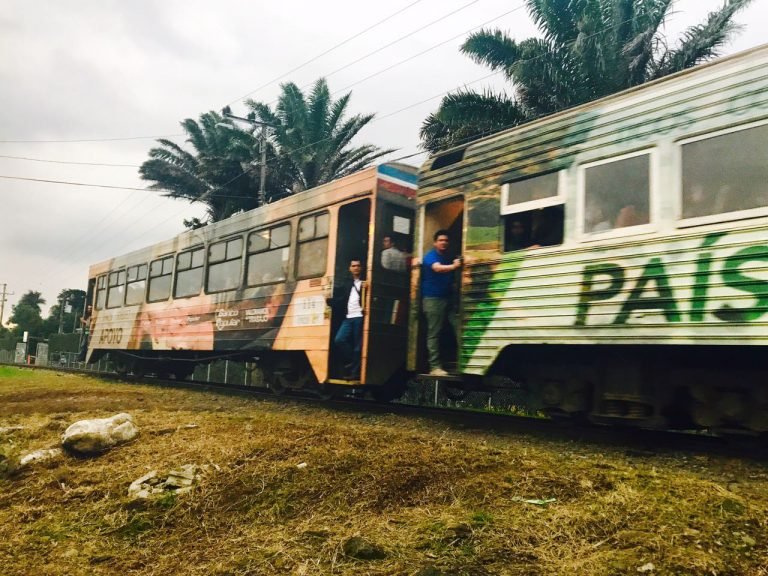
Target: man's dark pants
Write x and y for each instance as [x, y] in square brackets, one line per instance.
[349, 339]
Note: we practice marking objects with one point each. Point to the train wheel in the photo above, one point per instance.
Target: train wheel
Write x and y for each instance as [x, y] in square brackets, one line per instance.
[325, 391]
[454, 393]
[184, 372]
[277, 387]
[394, 388]
[121, 368]
[139, 371]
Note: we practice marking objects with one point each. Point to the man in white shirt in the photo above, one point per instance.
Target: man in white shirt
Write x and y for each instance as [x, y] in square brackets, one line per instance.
[348, 298]
[391, 257]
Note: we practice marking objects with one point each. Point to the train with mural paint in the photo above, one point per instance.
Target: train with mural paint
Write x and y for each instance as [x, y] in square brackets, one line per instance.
[615, 265]
[616, 254]
[254, 287]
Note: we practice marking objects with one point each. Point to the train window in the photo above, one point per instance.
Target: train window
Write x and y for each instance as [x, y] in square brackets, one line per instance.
[534, 212]
[224, 264]
[268, 254]
[530, 190]
[537, 228]
[725, 173]
[116, 289]
[617, 193]
[137, 284]
[160, 279]
[101, 292]
[189, 273]
[313, 245]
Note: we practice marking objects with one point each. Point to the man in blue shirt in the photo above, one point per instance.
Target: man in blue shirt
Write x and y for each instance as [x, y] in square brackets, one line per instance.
[436, 287]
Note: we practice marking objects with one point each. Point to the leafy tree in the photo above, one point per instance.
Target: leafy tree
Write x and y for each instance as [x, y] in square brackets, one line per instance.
[26, 314]
[310, 137]
[218, 173]
[74, 298]
[589, 49]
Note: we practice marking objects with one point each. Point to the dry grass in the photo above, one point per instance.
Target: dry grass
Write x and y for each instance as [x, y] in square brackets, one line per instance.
[434, 500]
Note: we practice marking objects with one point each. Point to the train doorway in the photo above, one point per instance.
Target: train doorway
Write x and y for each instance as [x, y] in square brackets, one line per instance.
[442, 215]
[387, 322]
[352, 243]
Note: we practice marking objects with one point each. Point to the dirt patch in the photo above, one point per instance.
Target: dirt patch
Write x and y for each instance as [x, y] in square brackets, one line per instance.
[301, 490]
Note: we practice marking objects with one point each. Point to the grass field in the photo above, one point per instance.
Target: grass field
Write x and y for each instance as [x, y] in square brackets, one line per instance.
[411, 497]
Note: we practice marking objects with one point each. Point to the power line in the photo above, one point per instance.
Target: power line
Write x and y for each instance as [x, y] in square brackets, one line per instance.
[433, 47]
[396, 41]
[68, 183]
[328, 51]
[90, 140]
[70, 162]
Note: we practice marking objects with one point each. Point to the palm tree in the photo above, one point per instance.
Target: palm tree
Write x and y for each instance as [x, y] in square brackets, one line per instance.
[589, 49]
[310, 137]
[218, 172]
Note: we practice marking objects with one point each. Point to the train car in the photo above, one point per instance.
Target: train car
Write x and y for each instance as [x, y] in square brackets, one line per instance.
[616, 254]
[254, 287]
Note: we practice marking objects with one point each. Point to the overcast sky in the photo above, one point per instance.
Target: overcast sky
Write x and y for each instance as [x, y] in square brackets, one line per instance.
[96, 81]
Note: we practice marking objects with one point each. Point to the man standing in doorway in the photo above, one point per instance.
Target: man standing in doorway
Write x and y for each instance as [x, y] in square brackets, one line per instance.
[436, 288]
[348, 299]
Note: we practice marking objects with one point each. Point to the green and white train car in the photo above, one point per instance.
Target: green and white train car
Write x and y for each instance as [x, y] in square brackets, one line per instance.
[617, 253]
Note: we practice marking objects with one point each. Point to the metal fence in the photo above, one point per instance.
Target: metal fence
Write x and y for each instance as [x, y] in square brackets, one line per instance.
[421, 393]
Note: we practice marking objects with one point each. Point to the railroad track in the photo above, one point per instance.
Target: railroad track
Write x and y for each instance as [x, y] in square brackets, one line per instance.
[637, 443]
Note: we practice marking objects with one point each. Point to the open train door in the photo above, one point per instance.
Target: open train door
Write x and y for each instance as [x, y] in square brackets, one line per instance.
[385, 346]
[447, 215]
[352, 243]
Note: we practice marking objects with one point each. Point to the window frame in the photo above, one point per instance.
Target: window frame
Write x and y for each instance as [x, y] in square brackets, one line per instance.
[653, 187]
[289, 245]
[175, 281]
[506, 209]
[681, 222]
[128, 282]
[101, 278]
[121, 301]
[207, 262]
[314, 238]
[150, 277]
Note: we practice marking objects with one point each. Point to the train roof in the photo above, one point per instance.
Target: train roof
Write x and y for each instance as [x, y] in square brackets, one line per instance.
[552, 142]
[395, 177]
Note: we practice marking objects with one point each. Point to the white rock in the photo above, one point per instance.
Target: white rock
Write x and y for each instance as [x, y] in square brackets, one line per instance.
[40, 456]
[647, 567]
[91, 436]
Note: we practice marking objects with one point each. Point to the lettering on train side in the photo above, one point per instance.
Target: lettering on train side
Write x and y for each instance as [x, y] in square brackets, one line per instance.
[227, 318]
[608, 283]
[111, 336]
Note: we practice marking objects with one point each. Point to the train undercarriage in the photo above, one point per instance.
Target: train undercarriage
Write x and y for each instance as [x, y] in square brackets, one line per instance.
[681, 387]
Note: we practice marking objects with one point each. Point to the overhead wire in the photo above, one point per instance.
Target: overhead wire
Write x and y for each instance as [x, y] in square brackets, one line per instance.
[328, 51]
[49, 161]
[389, 45]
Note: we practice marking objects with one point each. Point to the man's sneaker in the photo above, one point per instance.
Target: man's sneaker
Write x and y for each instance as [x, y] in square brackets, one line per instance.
[438, 372]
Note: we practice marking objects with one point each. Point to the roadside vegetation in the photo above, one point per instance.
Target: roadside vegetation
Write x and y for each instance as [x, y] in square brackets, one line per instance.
[295, 489]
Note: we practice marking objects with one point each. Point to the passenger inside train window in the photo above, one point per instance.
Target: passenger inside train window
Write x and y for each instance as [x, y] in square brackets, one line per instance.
[725, 172]
[596, 221]
[392, 258]
[617, 194]
[516, 236]
[547, 226]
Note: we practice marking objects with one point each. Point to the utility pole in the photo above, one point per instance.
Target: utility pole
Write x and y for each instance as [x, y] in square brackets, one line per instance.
[62, 305]
[3, 294]
[262, 198]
